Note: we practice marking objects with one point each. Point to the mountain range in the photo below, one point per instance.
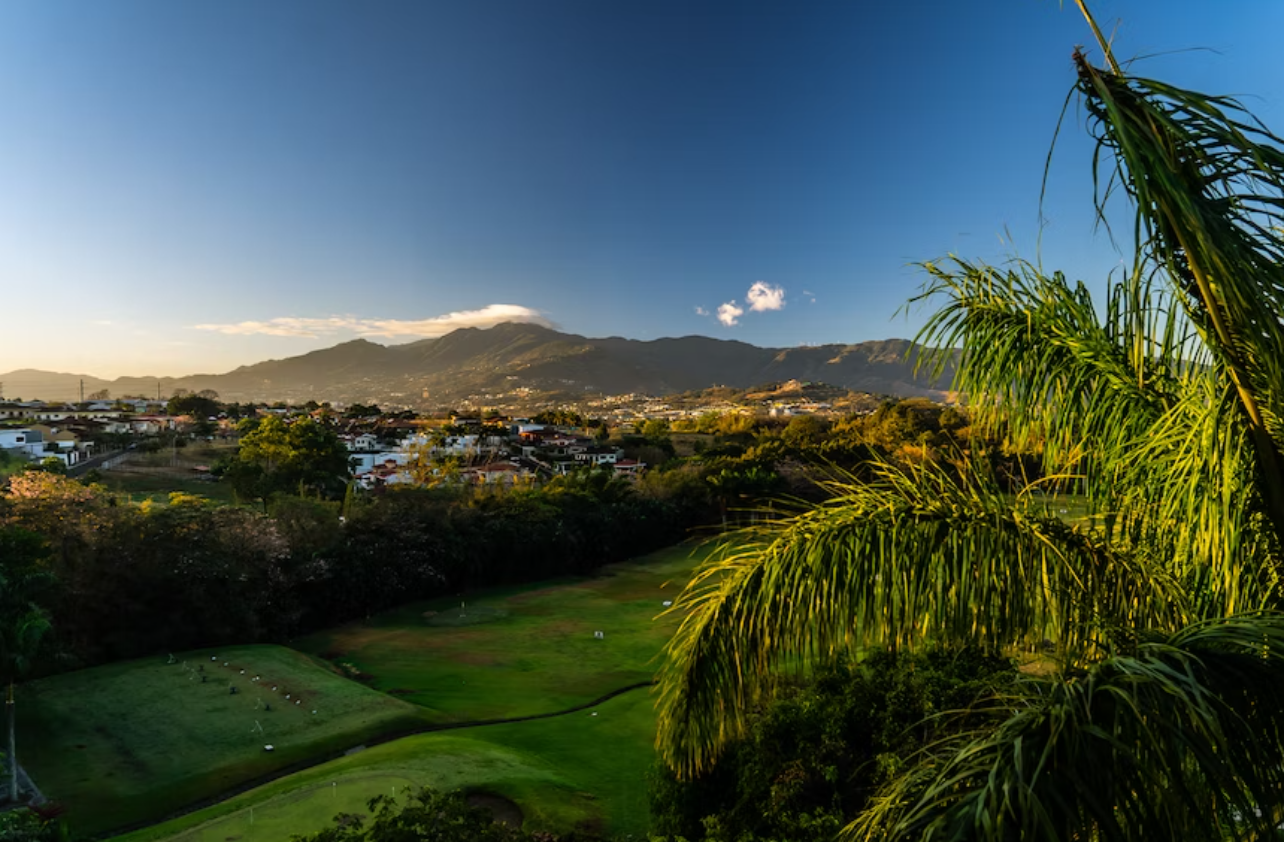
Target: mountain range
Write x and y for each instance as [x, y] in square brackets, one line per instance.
[474, 362]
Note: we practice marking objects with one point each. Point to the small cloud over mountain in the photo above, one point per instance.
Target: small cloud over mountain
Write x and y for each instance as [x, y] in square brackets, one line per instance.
[762, 296]
[312, 328]
[729, 314]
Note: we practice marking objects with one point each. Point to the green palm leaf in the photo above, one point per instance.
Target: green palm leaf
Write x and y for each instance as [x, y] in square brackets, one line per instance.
[1036, 358]
[1182, 740]
[1208, 185]
[915, 556]
[1129, 401]
[1166, 721]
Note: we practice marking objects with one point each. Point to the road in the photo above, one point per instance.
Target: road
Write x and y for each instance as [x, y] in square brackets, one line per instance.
[103, 461]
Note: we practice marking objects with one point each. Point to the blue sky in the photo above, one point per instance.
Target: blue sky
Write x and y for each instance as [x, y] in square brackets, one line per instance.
[193, 186]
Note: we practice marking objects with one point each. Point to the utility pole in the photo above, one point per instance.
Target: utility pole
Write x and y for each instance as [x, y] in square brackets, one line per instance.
[82, 390]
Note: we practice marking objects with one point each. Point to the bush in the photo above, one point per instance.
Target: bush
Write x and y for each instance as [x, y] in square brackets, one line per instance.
[427, 816]
[26, 825]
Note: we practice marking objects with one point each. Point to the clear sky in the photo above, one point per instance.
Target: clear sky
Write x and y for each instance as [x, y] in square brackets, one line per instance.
[190, 186]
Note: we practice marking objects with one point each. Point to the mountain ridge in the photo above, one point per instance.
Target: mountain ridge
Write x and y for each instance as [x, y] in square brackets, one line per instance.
[479, 361]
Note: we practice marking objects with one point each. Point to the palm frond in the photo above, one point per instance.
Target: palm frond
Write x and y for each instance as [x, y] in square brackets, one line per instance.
[1182, 740]
[1036, 356]
[918, 555]
[1130, 401]
[1186, 501]
[1208, 185]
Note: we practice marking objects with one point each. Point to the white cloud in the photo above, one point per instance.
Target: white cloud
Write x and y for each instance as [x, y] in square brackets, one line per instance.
[811, 296]
[286, 326]
[700, 311]
[488, 316]
[312, 328]
[729, 314]
[763, 296]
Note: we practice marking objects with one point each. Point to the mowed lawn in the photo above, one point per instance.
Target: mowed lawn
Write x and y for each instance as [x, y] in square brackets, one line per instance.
[585, 770]
[134, 741]
[520, 651]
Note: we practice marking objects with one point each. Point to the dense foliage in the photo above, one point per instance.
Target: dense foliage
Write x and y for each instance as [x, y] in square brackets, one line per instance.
[815, 753]
[128, 579]
[27, 825]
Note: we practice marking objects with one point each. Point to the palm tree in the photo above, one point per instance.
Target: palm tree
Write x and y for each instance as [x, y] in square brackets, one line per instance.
[1164, 715]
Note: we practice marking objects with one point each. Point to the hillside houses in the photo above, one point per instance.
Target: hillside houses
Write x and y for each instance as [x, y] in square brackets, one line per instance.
[482, 456]
[72, 433]
[41, 411]
[40, 442]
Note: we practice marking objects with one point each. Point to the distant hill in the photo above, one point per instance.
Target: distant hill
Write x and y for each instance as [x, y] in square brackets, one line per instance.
[473, 361]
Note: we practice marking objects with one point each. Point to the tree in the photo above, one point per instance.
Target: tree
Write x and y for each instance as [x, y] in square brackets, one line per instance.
[198, 406]
[655, 428]
[1160, 716]
[23, 623]
[805, 430]
[11, 463]
[48, 465]
[274, 458]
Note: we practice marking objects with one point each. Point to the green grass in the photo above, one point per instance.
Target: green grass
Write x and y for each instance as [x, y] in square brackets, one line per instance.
[534, 652]
[153, 476]
[133, 741]
[157, 487]
[576, 771]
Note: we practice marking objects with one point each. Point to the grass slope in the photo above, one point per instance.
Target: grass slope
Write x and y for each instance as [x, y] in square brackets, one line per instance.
[532, 652]
[133, 741]
[136, 741]
[576, 771]
[534, 649]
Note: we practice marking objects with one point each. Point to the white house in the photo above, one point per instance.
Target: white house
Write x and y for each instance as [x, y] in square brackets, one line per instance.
[597, 455]
[364, 462]
[363, 442]
[32, 445]
[21, 440]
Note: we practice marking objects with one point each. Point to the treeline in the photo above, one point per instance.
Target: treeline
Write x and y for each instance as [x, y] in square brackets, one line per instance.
[131, 579]
[124, 579]
[793, 456]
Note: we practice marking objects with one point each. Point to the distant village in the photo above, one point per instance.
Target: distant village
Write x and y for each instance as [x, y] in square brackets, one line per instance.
[393, 447]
